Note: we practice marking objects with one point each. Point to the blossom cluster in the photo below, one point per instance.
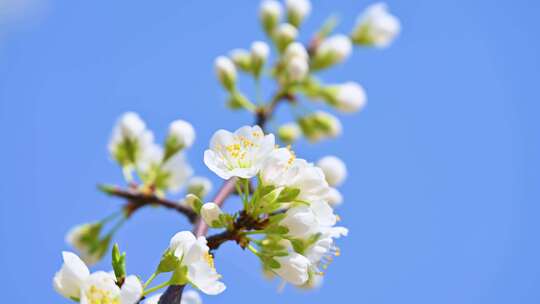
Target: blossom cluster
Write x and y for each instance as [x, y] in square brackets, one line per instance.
[288, 218]
[292, 197]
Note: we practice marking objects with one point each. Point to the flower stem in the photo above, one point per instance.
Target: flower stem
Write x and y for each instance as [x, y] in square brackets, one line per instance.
[156, 288]
[150, 279]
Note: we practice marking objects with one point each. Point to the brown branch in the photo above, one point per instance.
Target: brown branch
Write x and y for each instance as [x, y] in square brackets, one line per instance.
[242, 224]
[173, 294]
[138, 200]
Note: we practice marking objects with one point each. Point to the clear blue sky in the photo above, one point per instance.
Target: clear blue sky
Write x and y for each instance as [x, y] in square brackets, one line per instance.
[442, 200]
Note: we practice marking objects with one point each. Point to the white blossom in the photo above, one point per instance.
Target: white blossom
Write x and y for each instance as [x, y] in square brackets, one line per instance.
[75, 281]
[293, 268]
[285, 34]
[239, 154]
[304, 221]
[182, 132]
[350, 97]
[188, 297]
[376, 26]
[283, 169]
[193, 254]
[297, 10]
[226, 72]
[210, 212]
[334, 170]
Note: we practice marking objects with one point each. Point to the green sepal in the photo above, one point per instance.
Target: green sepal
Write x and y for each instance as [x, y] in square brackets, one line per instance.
[179, 276]
[169, 262]
[118, 263]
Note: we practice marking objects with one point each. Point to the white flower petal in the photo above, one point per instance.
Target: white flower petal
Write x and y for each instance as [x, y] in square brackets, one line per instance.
[70, 278]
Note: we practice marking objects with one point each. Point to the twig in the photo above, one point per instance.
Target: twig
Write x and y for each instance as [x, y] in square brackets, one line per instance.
[138, 200]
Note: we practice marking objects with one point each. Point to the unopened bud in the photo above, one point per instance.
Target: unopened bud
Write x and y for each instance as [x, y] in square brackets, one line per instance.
[284, 35]
[226, 72]
[297, 11]
[332, 50]
[270, 13]
[210, 213]
[289, 132]
[376, 27]
[241, 58]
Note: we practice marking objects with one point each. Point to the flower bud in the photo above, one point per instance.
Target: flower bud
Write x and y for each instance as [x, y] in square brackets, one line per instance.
[297, 10]
[270, 13]
[334, 197]
[226, 72]
[85, 238]
[293, 268]
[284, 35]
[193, 201]
[295, 49]
[376, 27]
[210, 213]
[241, 58]
[131, 125]
[297, 69]
[334, 170]
[259, 54]
[331, 51]
[289, 132]
[199, 186]
[181, 134]
[348, 97]
[320, 125]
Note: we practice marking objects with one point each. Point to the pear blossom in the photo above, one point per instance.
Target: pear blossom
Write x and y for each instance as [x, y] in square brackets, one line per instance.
[74, 281]
[226, 72]
[321, 252]
[297, 10]
[199, 186]
[303, 221]
[239, 154]
[293, 268]
[334, 169]
[333, 50]
[210, 213]
[283, 169]
[270, 12]
[348, 97]
[182, 132]
[193, 254]
[188, 297]
[376, 26]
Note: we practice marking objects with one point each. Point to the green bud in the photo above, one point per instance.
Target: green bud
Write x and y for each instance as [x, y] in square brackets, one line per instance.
[289, 133]
[118, 263]
[194, 202]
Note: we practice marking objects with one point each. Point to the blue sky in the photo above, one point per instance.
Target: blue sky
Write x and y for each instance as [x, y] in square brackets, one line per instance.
[442, 197]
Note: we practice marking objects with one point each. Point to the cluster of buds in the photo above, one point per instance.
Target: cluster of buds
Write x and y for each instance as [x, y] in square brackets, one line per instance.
[296, 65]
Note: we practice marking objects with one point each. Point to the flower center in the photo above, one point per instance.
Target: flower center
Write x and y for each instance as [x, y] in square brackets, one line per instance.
[100, 296]
[209, 260]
